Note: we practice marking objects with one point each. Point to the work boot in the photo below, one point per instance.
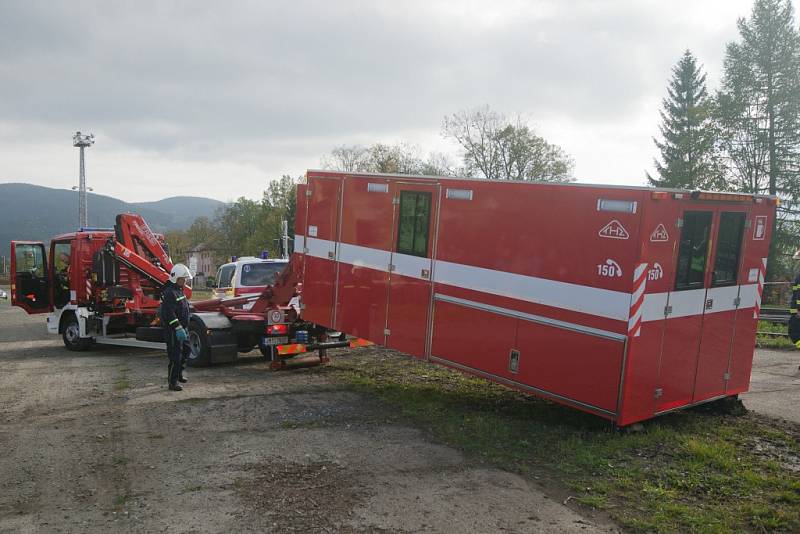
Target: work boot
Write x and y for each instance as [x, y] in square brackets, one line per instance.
[175, 387]
[183, 379]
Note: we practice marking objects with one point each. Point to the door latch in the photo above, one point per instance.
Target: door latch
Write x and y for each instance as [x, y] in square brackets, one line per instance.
[709, 304]
[425, 273]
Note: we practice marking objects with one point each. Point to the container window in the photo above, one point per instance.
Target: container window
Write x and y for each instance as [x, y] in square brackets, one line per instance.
[413, 223]
[693, 250]
[729, 247]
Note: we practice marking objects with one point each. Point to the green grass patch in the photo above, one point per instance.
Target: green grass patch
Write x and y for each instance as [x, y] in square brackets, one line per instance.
[120, 501]
[122, 381]
[688, 471]
[769, 341]
[120, 461]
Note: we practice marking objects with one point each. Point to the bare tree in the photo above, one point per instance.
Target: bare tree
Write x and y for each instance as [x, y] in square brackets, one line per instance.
[499, 149]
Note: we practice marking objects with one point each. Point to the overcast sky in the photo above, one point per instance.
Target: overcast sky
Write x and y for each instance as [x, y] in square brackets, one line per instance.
[217, 98]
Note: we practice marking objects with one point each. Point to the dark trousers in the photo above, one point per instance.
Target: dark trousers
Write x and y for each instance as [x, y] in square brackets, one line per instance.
[794, 329]
[177, 353]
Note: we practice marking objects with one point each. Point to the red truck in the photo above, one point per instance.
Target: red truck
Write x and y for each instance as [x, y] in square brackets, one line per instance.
[625, 302]
[104, 286]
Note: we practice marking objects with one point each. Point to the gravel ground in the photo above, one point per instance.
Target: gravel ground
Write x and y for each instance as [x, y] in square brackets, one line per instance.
[94, 442]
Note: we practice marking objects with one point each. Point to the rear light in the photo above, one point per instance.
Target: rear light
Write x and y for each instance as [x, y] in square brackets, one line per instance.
[659, 195]
[277, 329]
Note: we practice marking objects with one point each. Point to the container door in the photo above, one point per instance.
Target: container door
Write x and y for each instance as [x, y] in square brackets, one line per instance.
[410, 286]
[684, 312]
[30, 285]
[722, 301]
[364, 256]
[321, 237]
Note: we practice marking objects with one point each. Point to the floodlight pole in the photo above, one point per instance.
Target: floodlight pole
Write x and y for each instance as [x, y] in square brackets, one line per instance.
[82, 141]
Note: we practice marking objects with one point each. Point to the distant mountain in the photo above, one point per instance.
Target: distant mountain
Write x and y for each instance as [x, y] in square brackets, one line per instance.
[38, 213]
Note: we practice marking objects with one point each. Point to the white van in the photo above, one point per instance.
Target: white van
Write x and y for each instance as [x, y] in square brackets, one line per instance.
[247, 276]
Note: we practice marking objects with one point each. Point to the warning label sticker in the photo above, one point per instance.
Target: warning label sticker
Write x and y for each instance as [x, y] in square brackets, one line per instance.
[659, 234]
[614, 230]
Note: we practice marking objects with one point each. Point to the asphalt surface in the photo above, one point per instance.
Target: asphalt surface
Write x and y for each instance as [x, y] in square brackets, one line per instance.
[775, 384]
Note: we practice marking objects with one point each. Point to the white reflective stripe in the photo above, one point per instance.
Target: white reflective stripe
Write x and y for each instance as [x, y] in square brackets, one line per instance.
[372, 258]
[653, 306]
[410, 266]
[724, 298]
[319, 248]
[749, 296]
[693, 302]
[583, 299]
[299, 243]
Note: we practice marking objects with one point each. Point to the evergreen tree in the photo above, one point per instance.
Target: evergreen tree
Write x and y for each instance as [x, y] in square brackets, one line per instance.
[688, 142]
[759, 112]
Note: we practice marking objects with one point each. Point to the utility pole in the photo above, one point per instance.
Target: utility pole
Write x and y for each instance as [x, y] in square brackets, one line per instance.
[82, 141]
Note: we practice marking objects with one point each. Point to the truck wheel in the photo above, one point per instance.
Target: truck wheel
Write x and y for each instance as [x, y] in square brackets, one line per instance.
[71, 334]
[268, 352]
[200, 355]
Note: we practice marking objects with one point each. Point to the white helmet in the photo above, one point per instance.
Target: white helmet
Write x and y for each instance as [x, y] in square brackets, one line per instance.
[796, 255]
[179, 270]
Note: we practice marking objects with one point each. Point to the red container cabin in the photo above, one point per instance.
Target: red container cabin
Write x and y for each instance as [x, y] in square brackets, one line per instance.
[626, 302]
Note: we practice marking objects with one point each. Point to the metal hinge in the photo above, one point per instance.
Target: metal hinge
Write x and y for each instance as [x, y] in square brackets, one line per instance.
[305, 250]
[709, 304]
[391, 268]
[331, 255]
[737, 302]
[425, 273]
[658, 393]
[679, 223]
[726, 376]
[308, 192]
[387, 332]
[395, 200]
[667, 310]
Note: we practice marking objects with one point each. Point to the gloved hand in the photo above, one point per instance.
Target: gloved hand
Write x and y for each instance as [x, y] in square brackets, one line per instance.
[181, 334]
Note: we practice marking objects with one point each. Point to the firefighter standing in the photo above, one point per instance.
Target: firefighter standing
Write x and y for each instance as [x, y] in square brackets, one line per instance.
[794, 305]
[174, 313]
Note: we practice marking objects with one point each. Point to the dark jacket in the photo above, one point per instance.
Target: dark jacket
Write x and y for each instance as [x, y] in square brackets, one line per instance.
[174, 309]
[794, 304]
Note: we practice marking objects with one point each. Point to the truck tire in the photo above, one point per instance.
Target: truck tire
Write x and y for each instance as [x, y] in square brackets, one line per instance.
[200, 355]
[71, 332]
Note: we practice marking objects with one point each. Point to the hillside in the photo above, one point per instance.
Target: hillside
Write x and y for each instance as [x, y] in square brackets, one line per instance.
[38, 213]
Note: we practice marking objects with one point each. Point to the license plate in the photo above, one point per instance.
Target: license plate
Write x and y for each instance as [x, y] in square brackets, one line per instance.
[272, 341]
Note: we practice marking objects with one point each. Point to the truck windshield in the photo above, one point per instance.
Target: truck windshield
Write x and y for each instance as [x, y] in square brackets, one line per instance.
[261, 274]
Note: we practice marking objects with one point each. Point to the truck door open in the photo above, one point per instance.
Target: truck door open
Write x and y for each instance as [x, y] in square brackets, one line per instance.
[30, 283]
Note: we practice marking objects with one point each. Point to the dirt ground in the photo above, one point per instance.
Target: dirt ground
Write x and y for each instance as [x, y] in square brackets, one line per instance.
[94, 442]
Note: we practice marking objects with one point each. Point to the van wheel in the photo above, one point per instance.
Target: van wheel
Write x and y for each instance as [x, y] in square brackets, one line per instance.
[200, 354]
[71, 334]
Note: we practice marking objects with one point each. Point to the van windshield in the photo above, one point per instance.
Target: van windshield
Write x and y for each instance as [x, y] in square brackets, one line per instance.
[261, 274]
[225, 275]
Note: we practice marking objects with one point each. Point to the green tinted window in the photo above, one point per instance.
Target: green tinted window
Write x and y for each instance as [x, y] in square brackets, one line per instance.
[413, 223]
[729, 245]
[693, 250]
